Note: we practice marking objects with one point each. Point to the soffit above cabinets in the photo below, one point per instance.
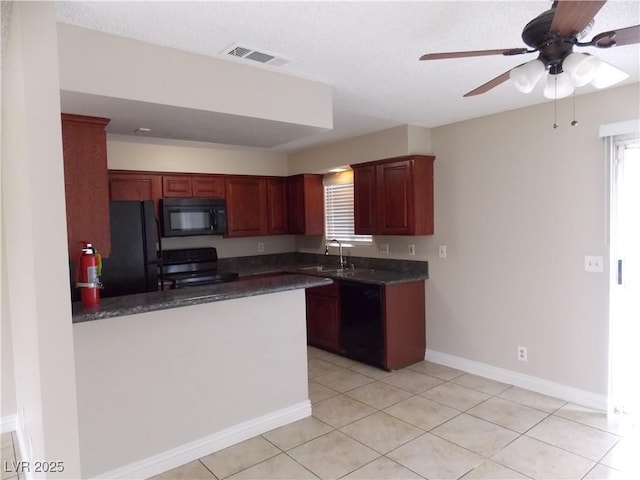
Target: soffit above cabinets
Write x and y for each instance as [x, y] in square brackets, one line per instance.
[185, 96]
[178, 123]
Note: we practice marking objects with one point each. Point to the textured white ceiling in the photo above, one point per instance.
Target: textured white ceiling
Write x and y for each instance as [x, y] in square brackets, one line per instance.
[368, 51]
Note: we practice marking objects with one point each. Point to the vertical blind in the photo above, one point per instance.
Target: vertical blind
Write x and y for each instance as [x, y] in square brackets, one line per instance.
[339, 220]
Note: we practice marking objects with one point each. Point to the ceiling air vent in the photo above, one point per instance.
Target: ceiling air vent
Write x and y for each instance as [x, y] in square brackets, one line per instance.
[247, 53]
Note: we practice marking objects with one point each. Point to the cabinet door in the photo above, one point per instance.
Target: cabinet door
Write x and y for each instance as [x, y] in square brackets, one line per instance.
[296, 204]
[313, 205]
[394, 198]
[208, 186]
[84, 148]
[246, 206]
[176, 186]
[134, 186]
[277, 206]
[306, 204]
[364, 199]
[405, 324]
[322, 321]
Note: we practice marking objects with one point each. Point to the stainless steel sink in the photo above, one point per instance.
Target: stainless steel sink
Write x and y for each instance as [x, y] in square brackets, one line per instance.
[319, 268]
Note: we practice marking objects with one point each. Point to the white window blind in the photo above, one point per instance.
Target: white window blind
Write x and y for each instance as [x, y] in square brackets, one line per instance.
[339, 220]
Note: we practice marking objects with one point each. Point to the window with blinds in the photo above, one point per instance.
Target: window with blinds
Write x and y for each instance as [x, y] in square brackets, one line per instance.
[339, 221]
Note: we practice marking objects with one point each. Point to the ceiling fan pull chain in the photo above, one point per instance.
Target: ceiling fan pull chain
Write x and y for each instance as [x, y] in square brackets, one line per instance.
[555, 101]
[574, 122]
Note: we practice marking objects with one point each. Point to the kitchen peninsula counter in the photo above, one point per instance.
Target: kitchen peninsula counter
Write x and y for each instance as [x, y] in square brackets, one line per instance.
[149, 302]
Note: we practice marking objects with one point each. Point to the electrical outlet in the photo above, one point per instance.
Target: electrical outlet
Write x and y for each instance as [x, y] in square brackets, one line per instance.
[261, 247]
[522, 353]
[384, 248]
[593, 263]
[412, 249]
[442, 251]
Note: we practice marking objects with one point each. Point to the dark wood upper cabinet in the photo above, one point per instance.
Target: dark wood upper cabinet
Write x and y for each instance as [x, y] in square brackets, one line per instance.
[246, 206]
[278, 207]
[84, 148]
[306, 204]
[364, 200]
[208, 186]
[129, 185]
[394, 196]
[394, 208]
[124, 185]
[193, 185]
[255, 205]
[176, 186]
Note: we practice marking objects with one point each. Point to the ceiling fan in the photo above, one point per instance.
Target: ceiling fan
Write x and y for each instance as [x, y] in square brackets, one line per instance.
[553, 34]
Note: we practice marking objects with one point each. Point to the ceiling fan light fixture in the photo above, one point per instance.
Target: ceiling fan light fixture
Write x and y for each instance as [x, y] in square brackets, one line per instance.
[582, 68]
[608, 75]
[558, 85]
[525, 76]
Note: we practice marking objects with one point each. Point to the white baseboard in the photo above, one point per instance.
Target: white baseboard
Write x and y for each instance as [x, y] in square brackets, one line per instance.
[191, 451]
[535, 384]
[8, 423]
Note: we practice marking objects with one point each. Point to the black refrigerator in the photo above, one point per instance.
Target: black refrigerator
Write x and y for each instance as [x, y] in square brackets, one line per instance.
[132, 266]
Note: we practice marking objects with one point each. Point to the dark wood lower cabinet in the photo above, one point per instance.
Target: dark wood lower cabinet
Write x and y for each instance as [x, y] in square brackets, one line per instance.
[323, 317]
[404, 324]
[384, 326]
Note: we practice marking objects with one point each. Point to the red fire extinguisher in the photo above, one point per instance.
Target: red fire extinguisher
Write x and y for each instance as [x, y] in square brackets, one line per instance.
[88, 270]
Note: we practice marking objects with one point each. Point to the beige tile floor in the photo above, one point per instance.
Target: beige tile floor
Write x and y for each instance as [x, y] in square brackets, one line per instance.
[427, 421]
[9, 456]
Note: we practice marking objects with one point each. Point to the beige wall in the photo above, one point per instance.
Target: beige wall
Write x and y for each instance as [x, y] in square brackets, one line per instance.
[393, 142]
[182, 375]
[519, 204]
[97, 63]
[131, 153]
[8, 406]
[33, 224]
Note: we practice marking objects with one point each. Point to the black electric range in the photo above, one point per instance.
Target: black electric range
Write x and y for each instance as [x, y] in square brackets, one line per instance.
[191, 267]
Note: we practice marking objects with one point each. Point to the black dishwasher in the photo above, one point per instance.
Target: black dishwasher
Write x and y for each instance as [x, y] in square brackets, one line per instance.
[361, 329]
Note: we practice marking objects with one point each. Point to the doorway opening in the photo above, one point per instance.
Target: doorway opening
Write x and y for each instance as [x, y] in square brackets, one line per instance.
[625, 278]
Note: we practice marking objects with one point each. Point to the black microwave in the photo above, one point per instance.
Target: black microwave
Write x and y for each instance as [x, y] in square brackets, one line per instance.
[183, 217]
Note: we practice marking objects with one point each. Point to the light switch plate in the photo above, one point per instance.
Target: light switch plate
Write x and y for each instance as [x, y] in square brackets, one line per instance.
[442, 251]
[412, 249]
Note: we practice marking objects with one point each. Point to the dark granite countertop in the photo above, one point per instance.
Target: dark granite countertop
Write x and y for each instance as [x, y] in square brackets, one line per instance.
[149, 302]
[367, 275]
[375, 271]
[355, 274]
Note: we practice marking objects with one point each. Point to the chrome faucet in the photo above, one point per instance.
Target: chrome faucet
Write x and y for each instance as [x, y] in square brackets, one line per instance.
[326, 251]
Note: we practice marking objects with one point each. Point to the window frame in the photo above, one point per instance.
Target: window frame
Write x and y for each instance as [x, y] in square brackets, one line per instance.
[338, 188]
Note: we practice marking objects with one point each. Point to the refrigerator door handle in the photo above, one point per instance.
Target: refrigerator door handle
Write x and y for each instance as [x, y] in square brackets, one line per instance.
[620, 272]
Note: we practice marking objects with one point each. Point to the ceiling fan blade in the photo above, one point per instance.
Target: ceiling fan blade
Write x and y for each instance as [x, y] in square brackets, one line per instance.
[474, 53]
[572, 17]
[489, 85]
[623, 36]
